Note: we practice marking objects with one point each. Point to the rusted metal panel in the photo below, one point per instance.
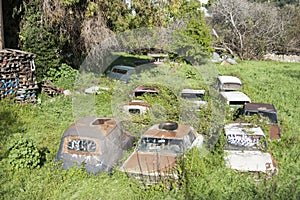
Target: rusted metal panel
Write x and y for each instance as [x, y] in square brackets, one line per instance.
[275, 131]
[149, 163]
[141, 90]
[155, 131]
[260, 107]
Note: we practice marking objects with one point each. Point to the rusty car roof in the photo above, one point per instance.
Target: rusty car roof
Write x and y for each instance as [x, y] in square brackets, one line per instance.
[94, 127]
[146, 88]
[137, 103]
[260, 107]
[179, 133]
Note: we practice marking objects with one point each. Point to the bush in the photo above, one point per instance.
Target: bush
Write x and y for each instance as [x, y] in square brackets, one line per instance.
[24, 154]
[63, 77]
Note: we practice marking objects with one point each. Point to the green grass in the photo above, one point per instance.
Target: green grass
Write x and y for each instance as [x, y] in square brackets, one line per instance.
[205, 176]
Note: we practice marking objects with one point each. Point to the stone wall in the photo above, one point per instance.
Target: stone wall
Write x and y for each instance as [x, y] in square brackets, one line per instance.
[282, 58]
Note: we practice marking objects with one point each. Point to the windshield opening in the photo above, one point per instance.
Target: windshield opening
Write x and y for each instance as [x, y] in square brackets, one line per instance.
[231, 86]
[81, 145]
[271, 116]
[134, 111]
[161, 145]
[233, 103]
[119, 71]
[192, 96]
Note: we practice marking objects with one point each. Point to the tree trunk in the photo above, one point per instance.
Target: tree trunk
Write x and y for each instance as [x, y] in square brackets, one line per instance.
[1, 27]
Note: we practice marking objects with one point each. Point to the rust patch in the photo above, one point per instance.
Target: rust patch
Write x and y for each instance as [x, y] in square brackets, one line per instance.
[275, 131]
[146, 163]
[180, 132]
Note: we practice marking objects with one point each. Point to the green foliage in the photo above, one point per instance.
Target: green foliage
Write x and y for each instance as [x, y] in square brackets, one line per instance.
[204, 172]
[63, 77]
[24, 154]
[37, 37]
[194, 40]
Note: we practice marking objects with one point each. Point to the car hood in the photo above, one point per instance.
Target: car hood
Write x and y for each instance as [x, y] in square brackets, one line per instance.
[251, 161]
[149, 163]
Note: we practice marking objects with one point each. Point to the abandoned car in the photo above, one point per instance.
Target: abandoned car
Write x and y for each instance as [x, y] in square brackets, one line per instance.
[142, 90]
[136, 107]
[121, 73]
[194, 96]
[235, 99]
[229, 83]
[266, 110]
[158, 150]
[244, 150]
[96, 143]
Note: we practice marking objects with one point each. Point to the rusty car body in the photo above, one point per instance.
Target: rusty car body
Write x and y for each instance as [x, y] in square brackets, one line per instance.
[94, 142]
[136, 107]
[158, 151]
[266, 110]
[142, 90]
[244, 150]
[229, 83]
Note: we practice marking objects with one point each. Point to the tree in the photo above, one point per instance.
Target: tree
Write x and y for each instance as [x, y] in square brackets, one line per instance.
[248, 29]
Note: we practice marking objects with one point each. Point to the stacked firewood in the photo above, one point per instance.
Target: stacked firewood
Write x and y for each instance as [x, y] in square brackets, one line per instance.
[17, 78]
[49, 88]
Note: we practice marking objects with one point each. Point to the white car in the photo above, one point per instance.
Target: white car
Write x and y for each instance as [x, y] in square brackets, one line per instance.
[229, 83]
[244, 149]
[194, 96]
[136, 107]
[235, 98]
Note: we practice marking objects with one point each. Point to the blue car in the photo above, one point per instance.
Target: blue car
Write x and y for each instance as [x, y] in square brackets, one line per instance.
[121, 73]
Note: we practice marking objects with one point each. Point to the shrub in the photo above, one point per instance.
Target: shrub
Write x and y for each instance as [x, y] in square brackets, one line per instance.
[24, 154]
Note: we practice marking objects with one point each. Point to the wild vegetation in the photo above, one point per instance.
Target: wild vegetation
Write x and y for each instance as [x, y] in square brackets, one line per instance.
[65, 31]
[33, 132]
[62, 33]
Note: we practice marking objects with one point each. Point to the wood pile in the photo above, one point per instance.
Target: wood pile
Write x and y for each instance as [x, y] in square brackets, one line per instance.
[50, 89]
[17, 78]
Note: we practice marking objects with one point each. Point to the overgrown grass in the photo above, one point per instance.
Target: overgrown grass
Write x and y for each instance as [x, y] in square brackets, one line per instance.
[205, 176]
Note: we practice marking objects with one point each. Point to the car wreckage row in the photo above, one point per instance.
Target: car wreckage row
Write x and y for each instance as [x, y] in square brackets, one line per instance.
[99, 143]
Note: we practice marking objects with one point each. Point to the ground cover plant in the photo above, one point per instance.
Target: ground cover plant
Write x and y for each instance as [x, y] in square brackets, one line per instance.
[204, 175]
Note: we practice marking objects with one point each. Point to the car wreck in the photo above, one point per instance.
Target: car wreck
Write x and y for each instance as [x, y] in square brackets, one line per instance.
[95, 143]
[142, 90]
[194, 96]
[229, 83]
[136, 107]
[159, 149]
[235, 99]
[266, 110]
[244, 150]
[121, 73]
